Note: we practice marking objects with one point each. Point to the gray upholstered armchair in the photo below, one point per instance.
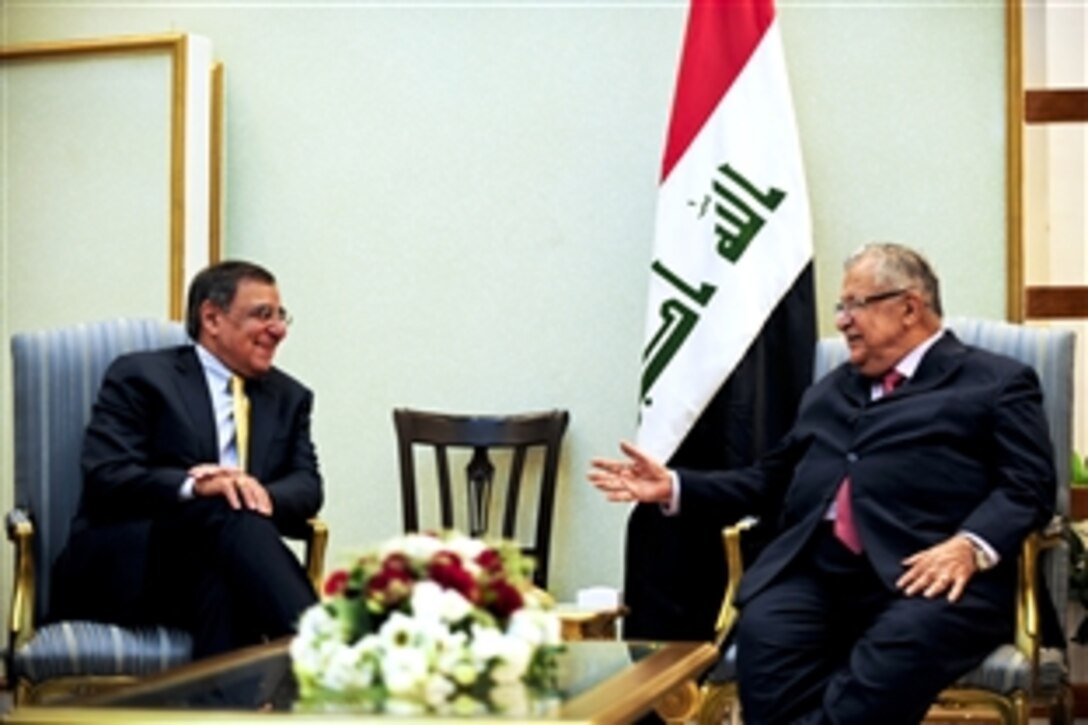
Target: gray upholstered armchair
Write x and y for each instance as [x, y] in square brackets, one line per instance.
[56, 375]
[1022, 673]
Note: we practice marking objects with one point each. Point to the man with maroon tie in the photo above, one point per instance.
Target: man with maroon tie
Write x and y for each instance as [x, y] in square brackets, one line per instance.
[902, 495]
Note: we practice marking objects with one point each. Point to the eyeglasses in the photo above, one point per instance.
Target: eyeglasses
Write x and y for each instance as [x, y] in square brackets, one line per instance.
[854, 304]
[265, 314]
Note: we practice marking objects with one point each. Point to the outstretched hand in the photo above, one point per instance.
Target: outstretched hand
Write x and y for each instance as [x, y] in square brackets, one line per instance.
[639, 478]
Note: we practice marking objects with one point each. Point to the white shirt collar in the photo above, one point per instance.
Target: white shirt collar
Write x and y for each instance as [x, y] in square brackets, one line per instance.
[214, 369]
[910, 362]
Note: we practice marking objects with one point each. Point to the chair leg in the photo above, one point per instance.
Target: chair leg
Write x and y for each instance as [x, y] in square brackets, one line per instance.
[1022, 704]
[1061, 711]
[680, 704]
[719, 702]
[21, 693]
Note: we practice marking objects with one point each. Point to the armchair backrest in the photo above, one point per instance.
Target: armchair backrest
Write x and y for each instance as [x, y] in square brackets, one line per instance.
[522, 498]
[1050, 352]
[56, 375]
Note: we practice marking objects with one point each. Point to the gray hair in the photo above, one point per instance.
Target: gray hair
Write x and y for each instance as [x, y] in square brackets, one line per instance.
[897, 266]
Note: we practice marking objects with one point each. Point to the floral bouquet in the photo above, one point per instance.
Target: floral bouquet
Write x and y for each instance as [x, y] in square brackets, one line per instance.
[429, 623]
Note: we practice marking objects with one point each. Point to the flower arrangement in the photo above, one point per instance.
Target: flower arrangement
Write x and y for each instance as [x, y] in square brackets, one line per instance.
[429, 623]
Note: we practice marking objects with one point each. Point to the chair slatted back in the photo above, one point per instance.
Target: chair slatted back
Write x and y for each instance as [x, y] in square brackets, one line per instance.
[480, 437]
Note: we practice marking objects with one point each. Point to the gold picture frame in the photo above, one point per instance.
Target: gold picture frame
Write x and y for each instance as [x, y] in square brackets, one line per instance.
[176, 46]
[1014, 160]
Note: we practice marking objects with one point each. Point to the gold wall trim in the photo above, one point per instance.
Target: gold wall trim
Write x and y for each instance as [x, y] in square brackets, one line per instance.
[215, 167]
[1014, 160]
[177, 46]
[177, 175]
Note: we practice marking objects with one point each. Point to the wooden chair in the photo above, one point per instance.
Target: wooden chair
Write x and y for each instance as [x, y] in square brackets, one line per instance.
[522, 444]
[1018, 675]
[56, 375]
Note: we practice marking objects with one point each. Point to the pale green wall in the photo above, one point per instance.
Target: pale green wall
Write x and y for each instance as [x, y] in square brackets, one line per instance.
[458, 199]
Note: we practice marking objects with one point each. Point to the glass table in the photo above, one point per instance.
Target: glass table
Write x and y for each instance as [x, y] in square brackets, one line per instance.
[599, 681]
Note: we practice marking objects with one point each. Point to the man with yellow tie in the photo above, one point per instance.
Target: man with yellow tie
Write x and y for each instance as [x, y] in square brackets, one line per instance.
[196, 461]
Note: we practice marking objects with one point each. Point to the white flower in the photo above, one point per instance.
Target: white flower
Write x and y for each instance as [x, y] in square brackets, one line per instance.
[463, 671]
[404, 671]
[437, 690]
[317, 640]
[316, 622]
[306, 656]
[466, 548]
[401, 632]
[536, 627]
[486, 645]
[348, 668]
[511, 698]
[369, 645]
[449, 649]
[430, 602]
[513, 662]
[418, 547]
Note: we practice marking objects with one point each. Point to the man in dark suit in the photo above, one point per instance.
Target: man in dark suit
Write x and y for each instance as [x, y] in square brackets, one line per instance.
[184, 501]
[903, 493]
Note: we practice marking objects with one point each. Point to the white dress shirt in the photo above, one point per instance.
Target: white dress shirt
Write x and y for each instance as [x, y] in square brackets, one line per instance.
[217, 375]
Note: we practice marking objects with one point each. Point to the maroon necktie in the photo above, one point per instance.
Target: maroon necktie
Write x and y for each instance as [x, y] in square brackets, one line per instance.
[844, 514]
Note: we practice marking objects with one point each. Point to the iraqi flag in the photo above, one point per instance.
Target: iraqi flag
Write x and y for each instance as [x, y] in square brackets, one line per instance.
[731, 319]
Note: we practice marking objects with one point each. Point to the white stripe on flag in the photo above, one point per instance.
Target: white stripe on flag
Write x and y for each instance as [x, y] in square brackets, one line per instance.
[749, 148]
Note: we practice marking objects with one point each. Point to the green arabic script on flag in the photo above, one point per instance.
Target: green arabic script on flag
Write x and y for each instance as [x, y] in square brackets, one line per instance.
[736, 224]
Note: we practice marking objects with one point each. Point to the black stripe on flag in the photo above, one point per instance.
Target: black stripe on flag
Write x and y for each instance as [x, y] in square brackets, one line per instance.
[675, 571]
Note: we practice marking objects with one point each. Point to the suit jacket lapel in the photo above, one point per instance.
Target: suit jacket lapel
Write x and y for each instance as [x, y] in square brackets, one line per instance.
[193, 391]
[262, 401]
[855, 386]
[940, 361]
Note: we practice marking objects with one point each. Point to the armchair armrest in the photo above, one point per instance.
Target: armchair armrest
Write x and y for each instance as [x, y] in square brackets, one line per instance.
[21, 623]
[317, 540]
[1028, 630]
[727, 614]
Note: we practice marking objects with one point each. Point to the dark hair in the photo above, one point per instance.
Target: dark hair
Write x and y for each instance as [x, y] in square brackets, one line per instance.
[900, 266]
[218, 284]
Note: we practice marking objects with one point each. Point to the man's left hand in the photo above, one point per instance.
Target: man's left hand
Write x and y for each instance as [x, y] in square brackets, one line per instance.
[254, 496]
[238, 487]
[946, 567]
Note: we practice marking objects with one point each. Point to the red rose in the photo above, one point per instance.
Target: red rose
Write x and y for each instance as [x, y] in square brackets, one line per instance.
[336, 583]
[389, 587]
[446, 571]
[398, 563]
[505, 598]
[490, 561]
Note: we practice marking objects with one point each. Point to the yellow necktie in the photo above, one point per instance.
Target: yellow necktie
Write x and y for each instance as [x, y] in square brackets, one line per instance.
[241, 419]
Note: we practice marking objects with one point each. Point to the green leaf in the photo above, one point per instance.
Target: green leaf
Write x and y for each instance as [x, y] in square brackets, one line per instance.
[1080, 470]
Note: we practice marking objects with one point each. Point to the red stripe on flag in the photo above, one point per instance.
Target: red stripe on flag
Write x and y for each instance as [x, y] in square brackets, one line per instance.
[721, 36]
